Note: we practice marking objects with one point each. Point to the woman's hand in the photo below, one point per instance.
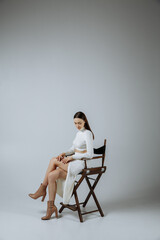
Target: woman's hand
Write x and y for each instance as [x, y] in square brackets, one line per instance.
[67, 159]
[60, 156]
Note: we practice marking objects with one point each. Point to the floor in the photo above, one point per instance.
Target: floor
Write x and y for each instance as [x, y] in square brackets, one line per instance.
[126, 220]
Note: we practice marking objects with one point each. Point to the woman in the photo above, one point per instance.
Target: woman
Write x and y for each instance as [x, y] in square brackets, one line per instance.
[63, 169]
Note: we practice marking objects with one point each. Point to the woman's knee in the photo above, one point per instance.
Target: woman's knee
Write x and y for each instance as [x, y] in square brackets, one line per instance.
[52, 176]
[53, 160]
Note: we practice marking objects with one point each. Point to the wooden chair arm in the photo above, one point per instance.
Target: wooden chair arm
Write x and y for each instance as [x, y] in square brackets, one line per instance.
[95, 170]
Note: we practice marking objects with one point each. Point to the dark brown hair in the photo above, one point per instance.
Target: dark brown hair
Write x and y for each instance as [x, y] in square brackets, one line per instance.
[83, 116]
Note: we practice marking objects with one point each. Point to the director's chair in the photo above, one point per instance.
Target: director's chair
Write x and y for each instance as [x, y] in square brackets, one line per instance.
[85, 173]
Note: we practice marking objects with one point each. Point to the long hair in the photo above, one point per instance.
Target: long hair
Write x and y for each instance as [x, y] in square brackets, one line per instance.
[83, 116]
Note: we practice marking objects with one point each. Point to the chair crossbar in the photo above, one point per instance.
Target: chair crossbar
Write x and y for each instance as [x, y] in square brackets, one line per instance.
[71, 207]
[91, 178]
[88, 178]
[97, 157]
[90, 212]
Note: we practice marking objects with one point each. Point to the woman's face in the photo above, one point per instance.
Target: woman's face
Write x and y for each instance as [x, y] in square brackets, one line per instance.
[79, 123]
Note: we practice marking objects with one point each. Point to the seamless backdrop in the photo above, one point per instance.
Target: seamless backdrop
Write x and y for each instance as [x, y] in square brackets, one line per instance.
[99, 57]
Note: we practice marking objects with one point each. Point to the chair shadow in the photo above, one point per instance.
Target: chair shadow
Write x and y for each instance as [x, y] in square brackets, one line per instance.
[123, 205]
[108, 206]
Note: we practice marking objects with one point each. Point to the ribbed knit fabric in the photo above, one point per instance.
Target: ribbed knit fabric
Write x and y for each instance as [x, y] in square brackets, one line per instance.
[82, 141]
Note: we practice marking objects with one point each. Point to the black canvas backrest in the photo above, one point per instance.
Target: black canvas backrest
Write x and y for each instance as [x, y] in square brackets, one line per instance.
[100, 150]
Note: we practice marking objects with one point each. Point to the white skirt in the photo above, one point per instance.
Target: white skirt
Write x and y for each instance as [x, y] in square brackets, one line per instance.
[65, 186]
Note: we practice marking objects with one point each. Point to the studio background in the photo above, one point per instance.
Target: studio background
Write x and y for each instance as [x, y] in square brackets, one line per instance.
[99, 57]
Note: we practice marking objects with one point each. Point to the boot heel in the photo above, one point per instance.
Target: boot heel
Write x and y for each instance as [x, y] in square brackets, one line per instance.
[43, 198]
[56, 213]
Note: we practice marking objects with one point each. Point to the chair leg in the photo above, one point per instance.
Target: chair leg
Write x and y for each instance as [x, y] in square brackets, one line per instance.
[93, 187]
[78, 206]
[94, 196]
[61, 209]
[76, 198]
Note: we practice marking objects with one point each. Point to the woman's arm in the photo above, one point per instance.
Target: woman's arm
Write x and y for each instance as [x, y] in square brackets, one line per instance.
[70, 151]
[89, 145]
[67, 159]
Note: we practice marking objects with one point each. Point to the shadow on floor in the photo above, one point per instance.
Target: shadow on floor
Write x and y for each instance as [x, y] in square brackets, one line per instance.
[128, 204]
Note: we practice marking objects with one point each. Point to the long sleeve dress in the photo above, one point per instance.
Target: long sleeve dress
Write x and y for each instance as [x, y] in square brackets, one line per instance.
[83, 141]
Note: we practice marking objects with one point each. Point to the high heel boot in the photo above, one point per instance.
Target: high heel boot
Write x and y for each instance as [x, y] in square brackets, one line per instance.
[51, 208]
[40, 192]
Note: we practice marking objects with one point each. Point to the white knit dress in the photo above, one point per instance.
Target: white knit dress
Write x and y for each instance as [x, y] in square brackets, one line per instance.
[82, 141]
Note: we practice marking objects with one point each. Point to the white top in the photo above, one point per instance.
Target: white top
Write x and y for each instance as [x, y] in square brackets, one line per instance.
[83, 141]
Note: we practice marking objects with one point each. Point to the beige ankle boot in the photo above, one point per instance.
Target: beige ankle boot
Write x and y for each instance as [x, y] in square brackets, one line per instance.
[40, 192]
[51, 208]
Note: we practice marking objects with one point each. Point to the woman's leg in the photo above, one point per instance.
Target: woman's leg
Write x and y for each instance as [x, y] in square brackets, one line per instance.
[52, 185]
[52, 176]
[50, 168]
[53, 164]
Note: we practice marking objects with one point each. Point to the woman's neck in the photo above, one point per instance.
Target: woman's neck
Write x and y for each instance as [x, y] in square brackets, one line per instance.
[82, 129]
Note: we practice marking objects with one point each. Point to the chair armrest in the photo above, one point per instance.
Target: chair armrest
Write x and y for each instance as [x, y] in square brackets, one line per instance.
[91, 158]
[94, 170]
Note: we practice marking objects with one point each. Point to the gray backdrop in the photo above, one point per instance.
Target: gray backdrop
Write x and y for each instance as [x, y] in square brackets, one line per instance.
[60, 57]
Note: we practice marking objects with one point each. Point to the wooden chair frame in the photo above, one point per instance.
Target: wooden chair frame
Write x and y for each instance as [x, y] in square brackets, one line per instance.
[85, 173]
